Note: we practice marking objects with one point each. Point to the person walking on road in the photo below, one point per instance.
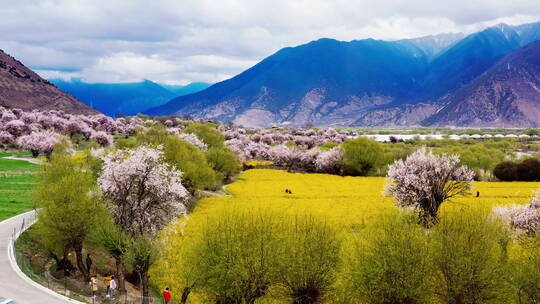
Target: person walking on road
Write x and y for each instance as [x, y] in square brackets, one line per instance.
[167, 296]
[93, 285]
[113, 286]
[107, 280]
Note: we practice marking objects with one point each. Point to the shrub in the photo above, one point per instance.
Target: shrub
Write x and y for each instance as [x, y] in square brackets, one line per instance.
[390, 263]
[506, 171]
[197, 172]
[527, 271]
[223, 161]
[363, 155]
[235, 254]
[470, 257]
[308, 258]
[529, 169]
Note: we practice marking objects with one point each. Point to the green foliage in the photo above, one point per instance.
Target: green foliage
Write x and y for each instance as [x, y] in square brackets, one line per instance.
[527, 271]
[363, 155]
[390, 263]
[506, 171]
[125, 143]
[154, 136]
[470, 256]
[476, 156]
[141, 253]
[307, 258]
[206, 133]
[528, 169]
[70, 208]
[223, 161]
[197, 172]
[235, 254]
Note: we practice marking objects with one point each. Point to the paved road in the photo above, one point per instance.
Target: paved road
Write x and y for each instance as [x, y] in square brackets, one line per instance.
[12, 285]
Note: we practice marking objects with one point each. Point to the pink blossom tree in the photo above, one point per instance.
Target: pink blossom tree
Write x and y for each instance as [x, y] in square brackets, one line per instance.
[37, 142]
[102, 138]
[424, 181]
[194, 140]
[329, 161]
[6, 137]
[524, 218]
[144, 194]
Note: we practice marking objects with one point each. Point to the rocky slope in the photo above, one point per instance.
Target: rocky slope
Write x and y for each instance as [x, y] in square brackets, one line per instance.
[21, 88]
[508, 94]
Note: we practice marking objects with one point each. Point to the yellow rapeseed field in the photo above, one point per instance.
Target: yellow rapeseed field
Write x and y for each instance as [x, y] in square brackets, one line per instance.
[347, 201]
[351, 203]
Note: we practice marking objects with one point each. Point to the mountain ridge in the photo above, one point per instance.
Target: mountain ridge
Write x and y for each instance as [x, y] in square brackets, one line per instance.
[361, 82]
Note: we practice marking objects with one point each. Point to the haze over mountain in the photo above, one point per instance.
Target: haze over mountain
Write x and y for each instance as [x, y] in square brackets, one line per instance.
[363, 82]
[21, 88]
[126, 98]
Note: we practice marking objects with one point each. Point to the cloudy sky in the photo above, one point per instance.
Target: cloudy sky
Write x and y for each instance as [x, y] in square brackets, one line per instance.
[182, 41]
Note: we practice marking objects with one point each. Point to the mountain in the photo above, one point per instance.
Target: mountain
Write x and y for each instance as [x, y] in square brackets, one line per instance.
[21, 88]
[191, 88]
[508, 94]
[126, 98]
[323, 81]
[361, 82]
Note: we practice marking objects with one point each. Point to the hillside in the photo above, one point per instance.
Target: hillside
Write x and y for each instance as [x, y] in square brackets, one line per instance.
[21, 88]
[363, 82]
[508, 94]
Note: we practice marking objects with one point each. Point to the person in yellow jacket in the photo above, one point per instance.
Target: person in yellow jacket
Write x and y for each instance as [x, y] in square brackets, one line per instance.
[107, 280]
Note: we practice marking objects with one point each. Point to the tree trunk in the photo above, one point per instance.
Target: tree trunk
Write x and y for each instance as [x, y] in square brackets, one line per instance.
[144, 283]
[121, 276]
[80, 264]
[185, 295]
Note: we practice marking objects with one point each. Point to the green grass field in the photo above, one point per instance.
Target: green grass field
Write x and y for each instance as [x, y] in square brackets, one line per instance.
[17, 180]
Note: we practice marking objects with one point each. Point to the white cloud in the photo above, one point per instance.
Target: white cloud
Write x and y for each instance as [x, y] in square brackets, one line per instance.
[208, 40]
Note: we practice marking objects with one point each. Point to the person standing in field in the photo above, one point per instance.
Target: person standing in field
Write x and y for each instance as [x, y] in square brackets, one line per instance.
[167, 296]
[107, 280]
[113, 286]
[93, 285]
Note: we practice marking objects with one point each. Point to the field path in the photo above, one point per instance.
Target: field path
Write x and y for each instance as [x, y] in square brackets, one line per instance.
[13, 283]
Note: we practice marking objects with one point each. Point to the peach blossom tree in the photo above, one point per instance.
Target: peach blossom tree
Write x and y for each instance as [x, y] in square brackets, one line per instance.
[423, 181]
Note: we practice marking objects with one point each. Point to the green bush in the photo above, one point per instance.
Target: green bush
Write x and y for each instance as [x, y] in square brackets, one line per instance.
[470, 258]
[506, 171]
[308, 257]
[223, 161]
[154, 136]
[527, 271]
[529, 169]
[197, 173]
[206, 133]
[235, 255]
[363, 155]
[390, 263]
[125, 143]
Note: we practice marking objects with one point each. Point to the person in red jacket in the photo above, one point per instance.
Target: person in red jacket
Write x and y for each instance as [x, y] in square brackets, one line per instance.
[167, 296]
